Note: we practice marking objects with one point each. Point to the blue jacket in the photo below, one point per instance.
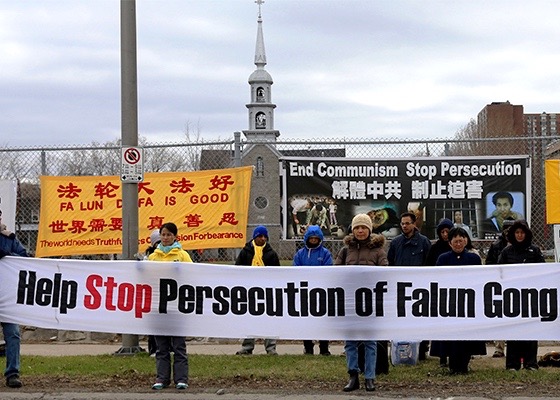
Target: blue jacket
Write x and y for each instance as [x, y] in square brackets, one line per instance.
[313, 256]
[409, 252]
[12, 246]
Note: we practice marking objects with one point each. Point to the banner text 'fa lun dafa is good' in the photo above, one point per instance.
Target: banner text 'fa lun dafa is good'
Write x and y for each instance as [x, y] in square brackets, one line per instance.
[83, 214]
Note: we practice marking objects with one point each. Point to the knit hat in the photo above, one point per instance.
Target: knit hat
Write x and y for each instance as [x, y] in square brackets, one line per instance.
[260, 230]
[362, 220]
[154, 236]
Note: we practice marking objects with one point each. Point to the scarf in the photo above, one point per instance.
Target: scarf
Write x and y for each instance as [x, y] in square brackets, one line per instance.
[258, 257]
[167, 249]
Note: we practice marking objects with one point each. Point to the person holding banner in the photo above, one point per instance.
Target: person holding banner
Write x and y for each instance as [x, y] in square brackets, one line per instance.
[460, 351]
[155, 240]
[361, 247]
[521, 250]
[170, 250]
[313, 253]
[258, 253]
[10, 246]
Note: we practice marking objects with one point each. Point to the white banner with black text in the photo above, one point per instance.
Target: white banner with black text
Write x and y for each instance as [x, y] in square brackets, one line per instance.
[335, 303]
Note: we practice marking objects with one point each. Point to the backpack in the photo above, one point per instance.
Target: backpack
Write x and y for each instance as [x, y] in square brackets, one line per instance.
[404, 353]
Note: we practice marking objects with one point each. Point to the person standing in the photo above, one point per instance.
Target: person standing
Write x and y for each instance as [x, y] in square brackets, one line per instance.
[438, 248]
[458, 218]
[492, 258]
[460, 351]
[169, 249]
[361, 247]
[499, 244]
[411, 247]
[258, 253]
[155, 240]
[313, 253]
[442, 244]
[521, 250]
[10, 246]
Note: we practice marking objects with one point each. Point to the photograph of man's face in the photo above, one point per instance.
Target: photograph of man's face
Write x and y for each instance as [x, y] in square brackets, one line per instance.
[503, 206]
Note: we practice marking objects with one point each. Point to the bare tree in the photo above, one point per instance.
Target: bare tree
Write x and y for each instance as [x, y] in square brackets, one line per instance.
[464, 144]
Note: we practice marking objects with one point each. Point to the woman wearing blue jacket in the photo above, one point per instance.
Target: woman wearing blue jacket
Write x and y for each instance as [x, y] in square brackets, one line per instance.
[313, 253]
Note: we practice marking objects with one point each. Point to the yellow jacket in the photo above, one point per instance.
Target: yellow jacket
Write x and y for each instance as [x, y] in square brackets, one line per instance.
[175, 254]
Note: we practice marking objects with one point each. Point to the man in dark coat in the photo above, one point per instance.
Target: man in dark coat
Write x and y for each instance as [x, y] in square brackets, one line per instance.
[10, 246]
[258, 253]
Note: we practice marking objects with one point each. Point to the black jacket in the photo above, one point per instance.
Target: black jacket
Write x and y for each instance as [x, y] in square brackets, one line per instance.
[520, 252]
[495, 249]
[245, 257]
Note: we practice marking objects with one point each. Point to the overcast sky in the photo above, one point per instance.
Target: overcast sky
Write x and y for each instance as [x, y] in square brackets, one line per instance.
[352, 68]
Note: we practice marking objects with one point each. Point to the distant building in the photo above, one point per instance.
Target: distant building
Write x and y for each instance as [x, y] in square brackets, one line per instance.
[505, 120]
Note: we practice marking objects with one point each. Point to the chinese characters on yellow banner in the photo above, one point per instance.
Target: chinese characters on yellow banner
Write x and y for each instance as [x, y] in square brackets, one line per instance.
[83, 214]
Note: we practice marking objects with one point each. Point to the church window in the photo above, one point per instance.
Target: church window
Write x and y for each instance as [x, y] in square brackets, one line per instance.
[260, 166]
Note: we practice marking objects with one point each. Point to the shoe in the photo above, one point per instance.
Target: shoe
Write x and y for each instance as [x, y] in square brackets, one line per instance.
[13, 381]
[309, 353]
[498, 354]
[181, 386]
[244, 352]
[370, 385]
[326, 353]
[272, 353]
[158, 386]
[531, 369]
[353, 383]
[512, 369]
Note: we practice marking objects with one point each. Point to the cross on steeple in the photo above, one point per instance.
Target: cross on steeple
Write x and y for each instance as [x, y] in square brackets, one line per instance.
[259, 2]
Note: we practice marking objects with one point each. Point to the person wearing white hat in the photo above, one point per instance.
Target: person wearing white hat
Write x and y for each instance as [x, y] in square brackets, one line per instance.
[361, 247]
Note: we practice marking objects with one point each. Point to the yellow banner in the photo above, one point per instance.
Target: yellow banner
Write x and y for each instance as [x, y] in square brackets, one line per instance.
[83, 214]
[552, 184]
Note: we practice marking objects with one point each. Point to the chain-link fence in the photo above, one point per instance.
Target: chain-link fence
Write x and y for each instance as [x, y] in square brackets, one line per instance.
[26, 165]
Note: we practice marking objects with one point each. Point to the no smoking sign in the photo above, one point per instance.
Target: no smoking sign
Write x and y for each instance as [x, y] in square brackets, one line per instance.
[132, 169]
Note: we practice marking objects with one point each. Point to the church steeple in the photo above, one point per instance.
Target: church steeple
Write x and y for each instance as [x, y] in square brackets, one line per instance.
[261, 108]
[260, 54]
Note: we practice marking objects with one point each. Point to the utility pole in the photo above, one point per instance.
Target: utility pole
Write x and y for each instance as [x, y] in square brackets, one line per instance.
[129, 137]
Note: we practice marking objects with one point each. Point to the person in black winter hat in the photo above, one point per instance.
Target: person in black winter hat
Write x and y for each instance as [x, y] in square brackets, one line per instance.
[258, 253]
[441, 245]
[521, 250]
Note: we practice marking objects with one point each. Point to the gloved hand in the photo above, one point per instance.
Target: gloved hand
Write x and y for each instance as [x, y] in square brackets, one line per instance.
[3, 253]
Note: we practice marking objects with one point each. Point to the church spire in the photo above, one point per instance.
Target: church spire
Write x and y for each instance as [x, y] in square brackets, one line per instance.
[260, 55]
[261, 108]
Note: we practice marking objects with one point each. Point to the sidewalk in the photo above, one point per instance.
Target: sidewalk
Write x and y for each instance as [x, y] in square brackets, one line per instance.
[200, 347]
